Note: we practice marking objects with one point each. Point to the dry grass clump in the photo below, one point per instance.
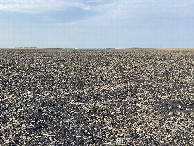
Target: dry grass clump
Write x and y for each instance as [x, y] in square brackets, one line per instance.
[102, 97]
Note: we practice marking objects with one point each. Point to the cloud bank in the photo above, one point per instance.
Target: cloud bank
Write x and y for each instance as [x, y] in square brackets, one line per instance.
[110, 8]
[37, 6]
[101, 22]
[133, 10]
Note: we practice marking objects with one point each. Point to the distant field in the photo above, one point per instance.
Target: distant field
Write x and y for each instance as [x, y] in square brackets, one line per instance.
[23, 48]
[105, 49]
[101, 97]
[98, 49]
[175, 48]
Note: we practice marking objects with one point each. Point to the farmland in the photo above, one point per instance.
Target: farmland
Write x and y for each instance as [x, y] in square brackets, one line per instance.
[102, 97]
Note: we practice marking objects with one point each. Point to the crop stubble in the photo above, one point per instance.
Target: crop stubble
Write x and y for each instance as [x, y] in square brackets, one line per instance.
[102, 97]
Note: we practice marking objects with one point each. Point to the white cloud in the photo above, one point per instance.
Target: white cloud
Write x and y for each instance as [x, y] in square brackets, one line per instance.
[133, 13]
[112, 7]
[110, 11]
[105, 10]
[34, 6]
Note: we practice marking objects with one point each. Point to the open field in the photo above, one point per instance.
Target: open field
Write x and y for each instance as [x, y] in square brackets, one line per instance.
[175, 49]
[97, 49]
[101, 97]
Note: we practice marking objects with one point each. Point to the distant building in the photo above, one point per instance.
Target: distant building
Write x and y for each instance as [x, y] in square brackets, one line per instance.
[69, 48]
[110, 48]
[136, 48]
[25, 47]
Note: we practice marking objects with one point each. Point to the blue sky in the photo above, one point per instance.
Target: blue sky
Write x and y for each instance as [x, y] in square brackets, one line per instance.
[97, 23]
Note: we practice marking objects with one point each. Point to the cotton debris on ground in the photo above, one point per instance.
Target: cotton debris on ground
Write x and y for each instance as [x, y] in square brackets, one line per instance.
[100, 97]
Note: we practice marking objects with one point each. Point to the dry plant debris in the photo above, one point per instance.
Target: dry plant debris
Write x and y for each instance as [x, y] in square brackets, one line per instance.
[96, 97]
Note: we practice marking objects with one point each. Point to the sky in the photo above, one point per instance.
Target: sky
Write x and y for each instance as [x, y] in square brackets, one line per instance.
[97, 23]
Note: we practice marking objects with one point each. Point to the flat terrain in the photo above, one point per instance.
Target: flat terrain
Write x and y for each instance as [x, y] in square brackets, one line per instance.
[101, 97]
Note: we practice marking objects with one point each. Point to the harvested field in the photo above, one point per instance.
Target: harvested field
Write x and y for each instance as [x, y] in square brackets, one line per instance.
[99, 97]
